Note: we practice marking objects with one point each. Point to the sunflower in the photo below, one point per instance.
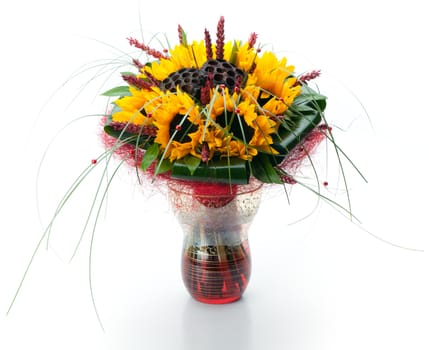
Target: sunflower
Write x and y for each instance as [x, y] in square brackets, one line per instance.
[136, 108]
[240, 120]
[177, 119]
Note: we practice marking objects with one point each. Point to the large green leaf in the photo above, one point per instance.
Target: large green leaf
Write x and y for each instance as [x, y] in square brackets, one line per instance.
[192, 163]
[163, 167]
[301, 118]
[292, 133]
[311, 98]
[263, 170]
[228, 171]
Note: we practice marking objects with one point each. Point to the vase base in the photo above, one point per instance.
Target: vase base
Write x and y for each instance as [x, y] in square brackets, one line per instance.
[217, 301]
[216, 274]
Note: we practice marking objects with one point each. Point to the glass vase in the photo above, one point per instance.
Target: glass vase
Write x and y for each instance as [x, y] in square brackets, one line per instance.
[215, 219]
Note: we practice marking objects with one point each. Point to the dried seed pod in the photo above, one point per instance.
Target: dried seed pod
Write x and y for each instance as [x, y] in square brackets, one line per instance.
[223, 72]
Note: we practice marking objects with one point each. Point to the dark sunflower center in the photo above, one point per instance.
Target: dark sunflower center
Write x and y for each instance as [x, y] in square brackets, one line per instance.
[182, 130]
[236, 125]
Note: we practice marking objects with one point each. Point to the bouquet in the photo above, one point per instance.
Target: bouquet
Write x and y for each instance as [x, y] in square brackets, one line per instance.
[221, 112]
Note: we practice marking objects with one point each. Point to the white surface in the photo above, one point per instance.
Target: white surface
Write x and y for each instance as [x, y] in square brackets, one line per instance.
[321, 284]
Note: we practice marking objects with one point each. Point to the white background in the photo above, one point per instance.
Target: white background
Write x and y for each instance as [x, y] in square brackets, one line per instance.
[324, 283]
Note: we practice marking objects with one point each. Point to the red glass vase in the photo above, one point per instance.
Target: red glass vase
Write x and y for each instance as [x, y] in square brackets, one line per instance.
[215, 219]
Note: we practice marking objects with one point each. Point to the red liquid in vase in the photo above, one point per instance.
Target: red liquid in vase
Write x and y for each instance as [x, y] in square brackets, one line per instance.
[216, 274]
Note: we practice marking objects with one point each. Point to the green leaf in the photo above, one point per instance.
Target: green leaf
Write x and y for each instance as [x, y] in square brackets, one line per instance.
[233, 57]
[149, 156]
[299, 110]
[165, 166]
[184, 38]
[302, 117]
[290, 134]
[118, 91]
[264, 171]
[139, 141]
[119, 134]
[192, 163]
[310, 98]
[227, 171]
